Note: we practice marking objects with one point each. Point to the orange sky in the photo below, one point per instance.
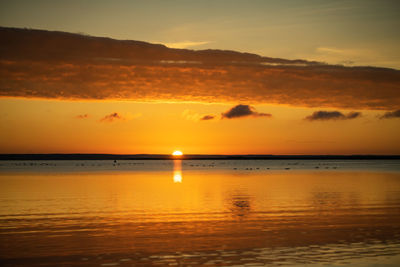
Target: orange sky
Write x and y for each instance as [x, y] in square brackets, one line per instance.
[71, 93]
[54, 126]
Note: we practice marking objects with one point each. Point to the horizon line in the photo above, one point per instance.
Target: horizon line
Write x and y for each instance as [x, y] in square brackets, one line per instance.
[103, 156]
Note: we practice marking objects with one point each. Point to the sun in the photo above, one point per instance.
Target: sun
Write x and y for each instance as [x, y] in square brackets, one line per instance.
[177, 153]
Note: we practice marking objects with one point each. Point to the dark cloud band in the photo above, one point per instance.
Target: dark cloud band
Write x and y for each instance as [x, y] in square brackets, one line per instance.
[54, 65]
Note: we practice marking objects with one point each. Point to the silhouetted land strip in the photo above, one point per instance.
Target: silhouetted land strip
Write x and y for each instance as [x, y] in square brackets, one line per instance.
[189, 157]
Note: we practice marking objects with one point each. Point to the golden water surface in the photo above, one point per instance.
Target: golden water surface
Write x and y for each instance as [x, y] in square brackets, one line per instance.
[214, 217]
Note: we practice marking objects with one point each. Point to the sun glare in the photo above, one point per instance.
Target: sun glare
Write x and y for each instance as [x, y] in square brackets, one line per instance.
[177, 153]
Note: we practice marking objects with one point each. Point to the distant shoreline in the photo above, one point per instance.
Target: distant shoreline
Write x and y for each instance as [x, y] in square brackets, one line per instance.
[190, 157]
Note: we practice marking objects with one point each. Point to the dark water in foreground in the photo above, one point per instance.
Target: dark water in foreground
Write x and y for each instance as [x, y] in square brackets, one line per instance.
[213, 213]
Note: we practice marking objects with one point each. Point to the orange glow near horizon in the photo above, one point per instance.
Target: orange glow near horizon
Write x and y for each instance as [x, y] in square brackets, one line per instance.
[126, 127]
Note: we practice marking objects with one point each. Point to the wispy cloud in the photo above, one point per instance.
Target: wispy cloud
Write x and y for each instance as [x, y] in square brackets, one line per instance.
[332, 115]
[333, 50]
[112, 117]
[194, 116]
[42, 64]
[240, 111]
[353, 115]
[186, 44]
[346, 55]
[391, 114]
[207, 117]
[82, 116]
[190, 115]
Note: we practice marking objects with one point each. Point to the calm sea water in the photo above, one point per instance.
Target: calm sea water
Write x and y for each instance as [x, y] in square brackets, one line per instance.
[201, 212]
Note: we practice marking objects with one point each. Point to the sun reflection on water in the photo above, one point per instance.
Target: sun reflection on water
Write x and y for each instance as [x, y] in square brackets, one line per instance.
[177, 171]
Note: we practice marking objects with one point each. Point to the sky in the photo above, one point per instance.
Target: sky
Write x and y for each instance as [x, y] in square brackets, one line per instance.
[72, 94]
[355, 32]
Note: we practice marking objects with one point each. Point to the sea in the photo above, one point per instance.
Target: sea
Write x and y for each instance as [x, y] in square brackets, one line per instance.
[200, 212]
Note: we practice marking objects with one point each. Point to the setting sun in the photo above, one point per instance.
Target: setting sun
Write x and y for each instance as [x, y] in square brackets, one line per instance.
[177, 153]
[292, 145]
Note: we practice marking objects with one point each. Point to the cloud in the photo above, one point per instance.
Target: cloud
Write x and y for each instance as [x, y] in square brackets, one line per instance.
[194, 116]
[391, 114]
[58, 65]
[207, 117]
[353, 115]
[332, 115]
[82, 116]
[190, 115]
[185, 44]
[346, 56]
[240, 111]
[111, 117]
[333, 50]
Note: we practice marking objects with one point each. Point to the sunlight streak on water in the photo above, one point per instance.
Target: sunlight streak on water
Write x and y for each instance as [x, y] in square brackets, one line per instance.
[177, 171]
